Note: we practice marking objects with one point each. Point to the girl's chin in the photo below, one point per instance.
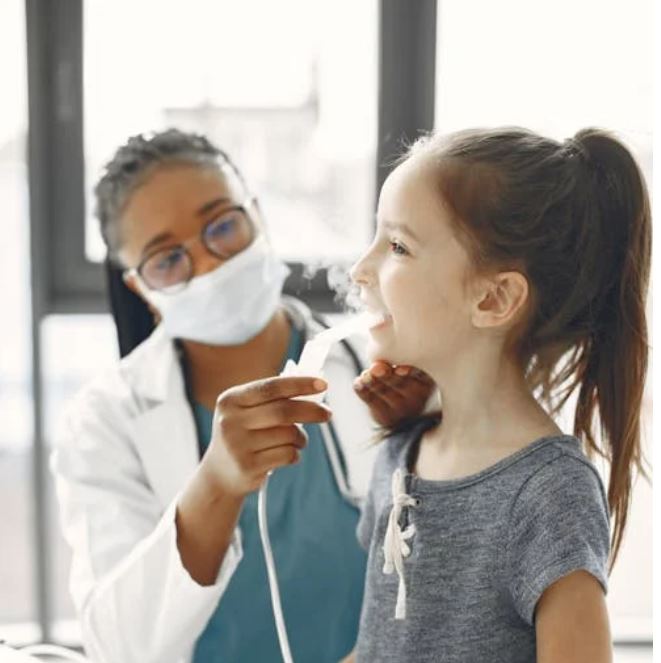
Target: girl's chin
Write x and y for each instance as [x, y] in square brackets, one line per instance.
[378, 352]
[390, 355]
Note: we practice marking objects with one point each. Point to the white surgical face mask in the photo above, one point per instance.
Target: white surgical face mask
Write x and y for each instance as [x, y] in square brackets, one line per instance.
[229, 305]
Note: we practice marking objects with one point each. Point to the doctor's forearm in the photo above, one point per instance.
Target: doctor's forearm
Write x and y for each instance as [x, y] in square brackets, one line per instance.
[206, 519]
[253, 433]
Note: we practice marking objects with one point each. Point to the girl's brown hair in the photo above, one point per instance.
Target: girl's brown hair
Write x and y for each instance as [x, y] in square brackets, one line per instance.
[574, 217]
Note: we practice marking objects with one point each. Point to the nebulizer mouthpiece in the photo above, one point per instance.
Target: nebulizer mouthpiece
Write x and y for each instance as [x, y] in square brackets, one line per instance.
[315, 351]
[310, 364]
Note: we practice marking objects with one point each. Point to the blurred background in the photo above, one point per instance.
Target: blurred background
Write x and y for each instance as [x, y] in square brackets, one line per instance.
[311, 98]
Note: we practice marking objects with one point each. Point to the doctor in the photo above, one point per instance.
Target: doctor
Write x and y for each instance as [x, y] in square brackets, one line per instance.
[158, 460]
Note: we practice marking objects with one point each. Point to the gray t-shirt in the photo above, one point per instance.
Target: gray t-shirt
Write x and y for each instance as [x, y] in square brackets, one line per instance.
[484, 549]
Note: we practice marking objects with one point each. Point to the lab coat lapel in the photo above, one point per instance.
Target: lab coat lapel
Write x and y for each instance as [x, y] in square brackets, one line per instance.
[167, 444]
[166, 437]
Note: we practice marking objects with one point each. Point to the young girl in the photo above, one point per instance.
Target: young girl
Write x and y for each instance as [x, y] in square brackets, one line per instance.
[513, 269]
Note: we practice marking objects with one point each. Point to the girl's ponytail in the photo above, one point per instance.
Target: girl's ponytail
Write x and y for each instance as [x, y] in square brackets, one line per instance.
[612, 372]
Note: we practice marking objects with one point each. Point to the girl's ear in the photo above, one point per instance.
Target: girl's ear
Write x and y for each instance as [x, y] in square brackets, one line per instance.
[501, 300]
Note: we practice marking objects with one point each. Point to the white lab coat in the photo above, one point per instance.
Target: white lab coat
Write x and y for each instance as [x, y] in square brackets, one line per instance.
[127, 447]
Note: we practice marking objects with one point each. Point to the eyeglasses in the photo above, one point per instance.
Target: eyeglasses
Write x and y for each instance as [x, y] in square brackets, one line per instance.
[170, 269]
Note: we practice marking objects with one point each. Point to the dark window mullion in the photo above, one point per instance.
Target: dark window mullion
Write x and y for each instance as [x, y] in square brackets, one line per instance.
[407, 77]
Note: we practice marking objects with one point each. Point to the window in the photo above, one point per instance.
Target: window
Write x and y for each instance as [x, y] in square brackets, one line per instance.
[288, 89]
[17, 577]
[76, 348]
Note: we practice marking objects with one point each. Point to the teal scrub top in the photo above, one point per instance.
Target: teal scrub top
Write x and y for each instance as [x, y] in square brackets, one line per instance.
[319, 563]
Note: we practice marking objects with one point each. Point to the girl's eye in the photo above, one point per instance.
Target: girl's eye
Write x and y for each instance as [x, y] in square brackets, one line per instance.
[398, 249]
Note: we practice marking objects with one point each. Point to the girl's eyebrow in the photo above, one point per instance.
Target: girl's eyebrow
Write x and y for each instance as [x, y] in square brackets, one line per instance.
[401, 227]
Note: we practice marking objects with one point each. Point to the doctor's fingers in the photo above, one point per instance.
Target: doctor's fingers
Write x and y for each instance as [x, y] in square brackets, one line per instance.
[280, 413]
[375, 391]
[395, 389]
[384, 409]
[270, 459]
[274, 438]
[267, 390]
[405, 379]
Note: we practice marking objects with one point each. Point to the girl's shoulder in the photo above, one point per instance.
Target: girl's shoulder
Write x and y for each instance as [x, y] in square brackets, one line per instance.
[560, 472]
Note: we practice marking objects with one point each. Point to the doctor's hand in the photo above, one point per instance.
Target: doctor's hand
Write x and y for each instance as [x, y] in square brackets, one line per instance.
[255, 431]
[393, 393]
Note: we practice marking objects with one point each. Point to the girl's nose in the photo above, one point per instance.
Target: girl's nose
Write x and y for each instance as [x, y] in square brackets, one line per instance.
[360, 272]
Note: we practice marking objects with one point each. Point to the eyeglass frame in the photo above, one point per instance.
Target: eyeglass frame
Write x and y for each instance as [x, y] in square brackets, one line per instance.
[178, 287]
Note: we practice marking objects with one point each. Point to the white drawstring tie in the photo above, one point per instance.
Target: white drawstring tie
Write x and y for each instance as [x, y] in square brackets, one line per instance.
[395, 547]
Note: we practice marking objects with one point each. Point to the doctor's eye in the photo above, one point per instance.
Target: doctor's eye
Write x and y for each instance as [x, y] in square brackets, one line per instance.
[166, 261]
[229, 233]
[223, 227]
[166, 268]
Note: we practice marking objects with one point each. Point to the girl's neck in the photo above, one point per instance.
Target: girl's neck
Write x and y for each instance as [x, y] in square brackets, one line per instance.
[488, 406]
[214, 368]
